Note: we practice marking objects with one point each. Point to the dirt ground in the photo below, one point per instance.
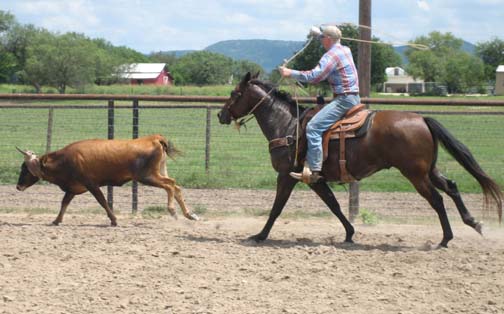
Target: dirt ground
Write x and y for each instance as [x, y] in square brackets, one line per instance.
[162, 265]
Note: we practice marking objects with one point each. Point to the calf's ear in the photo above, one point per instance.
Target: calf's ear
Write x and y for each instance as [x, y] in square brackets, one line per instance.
[34, 167]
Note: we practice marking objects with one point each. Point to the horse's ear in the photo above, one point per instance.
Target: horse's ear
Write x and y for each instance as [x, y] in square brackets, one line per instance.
[256, 75]
[246, 79]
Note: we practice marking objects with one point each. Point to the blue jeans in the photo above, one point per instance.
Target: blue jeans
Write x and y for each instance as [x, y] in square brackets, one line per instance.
[323, 120]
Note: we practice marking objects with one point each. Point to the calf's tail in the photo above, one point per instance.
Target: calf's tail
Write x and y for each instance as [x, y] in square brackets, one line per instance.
[169, 148]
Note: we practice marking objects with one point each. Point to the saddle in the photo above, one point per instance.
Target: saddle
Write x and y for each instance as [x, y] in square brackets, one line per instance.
[354, 124]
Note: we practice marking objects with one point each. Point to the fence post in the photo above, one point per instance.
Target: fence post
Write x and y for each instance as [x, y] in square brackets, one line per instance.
[134, 188]
[207, 140]
[110, 189]
[364, 62]
[50, 122]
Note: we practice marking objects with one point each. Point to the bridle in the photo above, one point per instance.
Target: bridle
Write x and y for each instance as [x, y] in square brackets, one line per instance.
[275, 143]
[246, 118]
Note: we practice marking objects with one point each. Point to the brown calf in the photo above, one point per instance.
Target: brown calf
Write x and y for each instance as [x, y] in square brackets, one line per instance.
[86, 165]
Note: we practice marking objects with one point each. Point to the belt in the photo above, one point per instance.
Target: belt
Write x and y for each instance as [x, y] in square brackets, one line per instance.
[346, 94]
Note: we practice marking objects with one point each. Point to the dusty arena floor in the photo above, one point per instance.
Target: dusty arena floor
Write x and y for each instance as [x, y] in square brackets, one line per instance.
[162, 265]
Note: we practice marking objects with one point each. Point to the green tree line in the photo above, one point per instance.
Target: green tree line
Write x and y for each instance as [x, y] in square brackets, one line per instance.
[38, 57]
[445, 62]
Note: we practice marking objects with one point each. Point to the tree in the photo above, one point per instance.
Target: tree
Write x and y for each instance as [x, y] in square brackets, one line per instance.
[7, 59]
[445, 62]
[60, 61]
[163, 57]
[465, 71]
[492, 54]
[202, 68]
[109, 58]
[7, 20]
[241, 67]
[426, 65]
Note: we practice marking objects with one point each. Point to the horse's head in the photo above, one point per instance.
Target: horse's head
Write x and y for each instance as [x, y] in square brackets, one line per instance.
[242, 100]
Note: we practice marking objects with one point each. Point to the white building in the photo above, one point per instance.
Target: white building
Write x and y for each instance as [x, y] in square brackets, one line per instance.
[398, 81]
[499, 80]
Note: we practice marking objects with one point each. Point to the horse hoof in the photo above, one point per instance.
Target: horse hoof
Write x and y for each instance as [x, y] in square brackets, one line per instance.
[479, 228]
[113, 223]
[255, 238]
[55, 223]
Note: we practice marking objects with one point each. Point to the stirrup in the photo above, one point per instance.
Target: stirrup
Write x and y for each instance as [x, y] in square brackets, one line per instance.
[306, 176]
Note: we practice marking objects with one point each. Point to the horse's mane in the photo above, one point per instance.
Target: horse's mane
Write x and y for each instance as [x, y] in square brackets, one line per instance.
[280, 94]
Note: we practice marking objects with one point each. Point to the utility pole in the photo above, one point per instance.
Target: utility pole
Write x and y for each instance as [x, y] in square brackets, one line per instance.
[364, 62]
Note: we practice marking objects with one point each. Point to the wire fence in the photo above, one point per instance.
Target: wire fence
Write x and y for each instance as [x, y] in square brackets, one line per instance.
[216, 158]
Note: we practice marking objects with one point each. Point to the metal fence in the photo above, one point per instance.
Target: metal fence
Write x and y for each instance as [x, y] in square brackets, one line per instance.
[215, 156]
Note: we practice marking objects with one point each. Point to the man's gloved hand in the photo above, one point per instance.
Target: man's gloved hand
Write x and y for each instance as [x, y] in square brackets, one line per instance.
[284, 72]
[315, 32]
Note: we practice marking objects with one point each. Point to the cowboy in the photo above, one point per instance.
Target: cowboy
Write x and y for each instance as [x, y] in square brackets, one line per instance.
[338, 68]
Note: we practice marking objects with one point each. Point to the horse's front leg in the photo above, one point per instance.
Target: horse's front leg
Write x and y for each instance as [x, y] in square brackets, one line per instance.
[326, 194]
[285, 185]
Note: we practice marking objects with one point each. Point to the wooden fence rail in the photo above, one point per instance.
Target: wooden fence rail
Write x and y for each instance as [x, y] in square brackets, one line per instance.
[210, 103]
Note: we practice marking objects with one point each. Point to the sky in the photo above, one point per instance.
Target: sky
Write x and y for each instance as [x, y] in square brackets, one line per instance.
[161, 25]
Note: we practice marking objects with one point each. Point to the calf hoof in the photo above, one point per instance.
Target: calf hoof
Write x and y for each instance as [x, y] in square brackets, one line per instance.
[192, 216]
[55, 223]
[113, 223]
[173, 213]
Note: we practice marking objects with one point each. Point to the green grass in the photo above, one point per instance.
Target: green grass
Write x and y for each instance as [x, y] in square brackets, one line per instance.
[368, 217]
[125, 89]
[237, 159]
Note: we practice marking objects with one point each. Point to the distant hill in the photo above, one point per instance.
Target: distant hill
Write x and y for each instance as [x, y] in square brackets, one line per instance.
[466, 46]
[271, 53]
[267, 53]
[180, 53]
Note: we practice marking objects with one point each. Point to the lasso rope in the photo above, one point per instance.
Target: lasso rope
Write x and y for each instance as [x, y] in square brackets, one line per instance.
[239, 124]
[412, 45]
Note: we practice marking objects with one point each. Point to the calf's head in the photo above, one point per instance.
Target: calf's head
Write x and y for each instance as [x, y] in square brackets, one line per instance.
[30, 170]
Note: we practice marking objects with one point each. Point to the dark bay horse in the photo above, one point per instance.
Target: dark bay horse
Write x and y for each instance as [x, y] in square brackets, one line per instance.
[406, 141]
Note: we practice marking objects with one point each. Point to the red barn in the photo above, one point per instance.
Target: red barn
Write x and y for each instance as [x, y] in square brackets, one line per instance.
[147, 73]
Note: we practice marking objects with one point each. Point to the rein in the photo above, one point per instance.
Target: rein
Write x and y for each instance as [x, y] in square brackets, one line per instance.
[244, 120]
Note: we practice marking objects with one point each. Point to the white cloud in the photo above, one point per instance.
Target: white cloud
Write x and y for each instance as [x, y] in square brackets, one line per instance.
[422, 4]
[63, 16]
[240, 19]
[152, 25]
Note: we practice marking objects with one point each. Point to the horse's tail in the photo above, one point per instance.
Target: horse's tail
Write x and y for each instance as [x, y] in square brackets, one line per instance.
[464, 157]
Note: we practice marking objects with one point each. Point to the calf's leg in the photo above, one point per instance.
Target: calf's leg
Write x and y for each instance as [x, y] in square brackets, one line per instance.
[64, 204]
[97, 193]
[173, 191]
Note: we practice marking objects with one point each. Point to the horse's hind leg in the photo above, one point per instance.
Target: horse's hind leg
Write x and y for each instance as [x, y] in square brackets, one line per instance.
[450, 188]
[426, 188]
[325, 193]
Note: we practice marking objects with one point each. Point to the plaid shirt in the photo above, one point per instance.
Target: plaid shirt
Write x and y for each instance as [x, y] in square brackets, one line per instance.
[337, 66]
